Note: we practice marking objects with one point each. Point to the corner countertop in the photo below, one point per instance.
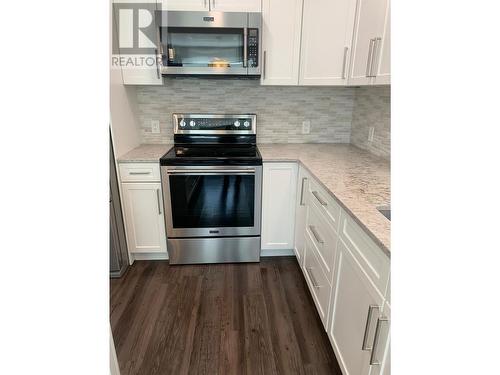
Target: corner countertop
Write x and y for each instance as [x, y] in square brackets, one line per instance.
[358, 180]
[145, 153]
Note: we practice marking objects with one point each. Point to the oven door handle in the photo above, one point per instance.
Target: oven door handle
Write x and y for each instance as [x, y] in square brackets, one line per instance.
[211, 172]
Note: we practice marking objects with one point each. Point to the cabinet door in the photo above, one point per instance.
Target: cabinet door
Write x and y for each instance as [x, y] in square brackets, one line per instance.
[369, 26]
[136, 69]
[281, 22]
[144, 221]
[383, 72]
[327, 28]
[199, 5]
[279, 186]
[235, 5]
[352, 326]
[301, 214]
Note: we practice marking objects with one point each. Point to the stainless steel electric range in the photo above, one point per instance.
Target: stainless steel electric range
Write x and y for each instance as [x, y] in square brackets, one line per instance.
[212, 184]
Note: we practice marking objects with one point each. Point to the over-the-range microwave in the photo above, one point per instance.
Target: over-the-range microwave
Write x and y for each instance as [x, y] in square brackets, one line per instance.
[210, 43]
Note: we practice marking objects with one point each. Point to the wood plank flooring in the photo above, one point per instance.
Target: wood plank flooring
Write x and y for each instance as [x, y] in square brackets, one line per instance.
[255, 318]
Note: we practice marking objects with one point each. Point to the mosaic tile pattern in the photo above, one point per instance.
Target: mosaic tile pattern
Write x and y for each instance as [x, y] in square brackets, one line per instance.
[372, 107]
[280, 109]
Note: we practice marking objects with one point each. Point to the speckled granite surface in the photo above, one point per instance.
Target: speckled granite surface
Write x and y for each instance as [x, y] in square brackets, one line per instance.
[358, 180]
[145, 153]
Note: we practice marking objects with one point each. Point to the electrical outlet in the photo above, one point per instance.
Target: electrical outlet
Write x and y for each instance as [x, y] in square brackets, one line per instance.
[371, 132]
[306, 127]
[155, 126]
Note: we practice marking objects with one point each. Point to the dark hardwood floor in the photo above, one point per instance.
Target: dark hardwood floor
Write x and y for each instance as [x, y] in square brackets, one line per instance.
[255, 318]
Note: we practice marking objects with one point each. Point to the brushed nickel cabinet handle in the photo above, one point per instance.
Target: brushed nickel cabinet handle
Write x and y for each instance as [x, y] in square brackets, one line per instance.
[313, 279]
[316, 234]
[304, 179]
[158, 200]
[213, 5]
[344, 62]
[204, 3]
[320, 200]
[376, 339]
[375, 55]
[369, 60]
[157, 64]
[371, 308]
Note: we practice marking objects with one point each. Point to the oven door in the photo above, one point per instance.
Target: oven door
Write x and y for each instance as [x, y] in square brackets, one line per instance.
[207, 43]
[212, 201]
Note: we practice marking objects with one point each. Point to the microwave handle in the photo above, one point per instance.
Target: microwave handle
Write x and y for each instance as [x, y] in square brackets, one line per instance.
[245, 47]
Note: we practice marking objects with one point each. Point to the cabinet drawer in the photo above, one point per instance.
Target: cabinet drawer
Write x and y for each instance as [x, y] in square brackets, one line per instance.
[131, 172]
[317, 281]
[371, 258]
[324, 239]
[320, 198]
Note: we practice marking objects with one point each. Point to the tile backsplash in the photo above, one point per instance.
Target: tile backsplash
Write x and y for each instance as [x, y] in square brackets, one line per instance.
[372, 108]
[280, 109]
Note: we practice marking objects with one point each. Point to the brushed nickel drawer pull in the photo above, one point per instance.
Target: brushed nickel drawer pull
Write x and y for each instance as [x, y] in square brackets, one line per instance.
[315, 234]
[373, 360]
[313, 279]
[134, 173]
[371, 308]
[320, 200]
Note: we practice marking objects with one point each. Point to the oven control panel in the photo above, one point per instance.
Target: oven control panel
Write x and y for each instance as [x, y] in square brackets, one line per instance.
[205, 124]
[253, 48]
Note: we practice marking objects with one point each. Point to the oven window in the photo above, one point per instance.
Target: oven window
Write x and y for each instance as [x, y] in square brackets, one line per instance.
[203, 47]
[212, 201]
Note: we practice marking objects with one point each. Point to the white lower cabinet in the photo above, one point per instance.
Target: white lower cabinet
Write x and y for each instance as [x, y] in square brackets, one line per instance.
[356, 306]
[279, 187]
[144, 222]
[346, 272]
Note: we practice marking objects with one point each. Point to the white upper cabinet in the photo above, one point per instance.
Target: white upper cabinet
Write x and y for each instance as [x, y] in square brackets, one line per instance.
[383, 69]
[279, 186]
[368, 41]
[281, 24]
[327, 28]
[136, 69]
[235, 5]
[213, 5]
[196, 5]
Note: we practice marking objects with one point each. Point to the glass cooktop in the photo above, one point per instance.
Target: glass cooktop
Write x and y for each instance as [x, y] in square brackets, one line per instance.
[212, 155]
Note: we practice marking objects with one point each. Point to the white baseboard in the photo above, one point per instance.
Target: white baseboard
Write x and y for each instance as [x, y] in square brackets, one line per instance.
[150, 256]
[276, 253]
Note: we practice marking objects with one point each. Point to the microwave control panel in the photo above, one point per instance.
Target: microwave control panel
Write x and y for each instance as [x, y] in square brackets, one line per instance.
[253, 48]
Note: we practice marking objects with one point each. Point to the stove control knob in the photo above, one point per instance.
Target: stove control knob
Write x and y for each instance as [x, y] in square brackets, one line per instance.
[182, 123]
[192, 123]
[237, 124]
[246, 124]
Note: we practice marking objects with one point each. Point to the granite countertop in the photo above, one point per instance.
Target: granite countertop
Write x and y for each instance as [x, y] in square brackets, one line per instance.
[145, 153]
[358, 180]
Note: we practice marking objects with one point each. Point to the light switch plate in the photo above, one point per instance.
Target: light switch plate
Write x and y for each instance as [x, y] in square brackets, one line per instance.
[155, 126]
[306, 127]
